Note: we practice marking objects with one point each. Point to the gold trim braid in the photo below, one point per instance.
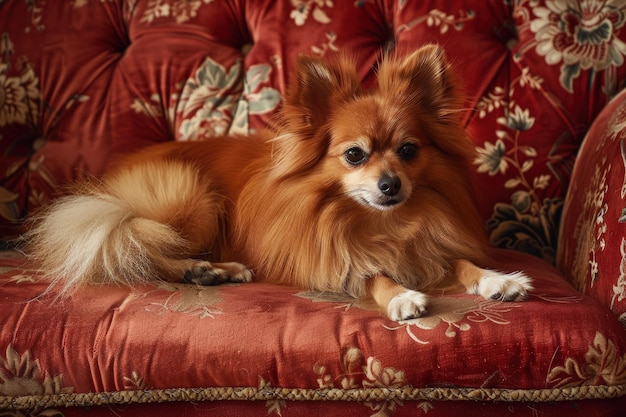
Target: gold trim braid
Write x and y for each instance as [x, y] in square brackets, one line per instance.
[304, 394]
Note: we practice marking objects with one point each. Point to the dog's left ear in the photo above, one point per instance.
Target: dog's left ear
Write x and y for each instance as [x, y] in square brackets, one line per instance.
[423, 77]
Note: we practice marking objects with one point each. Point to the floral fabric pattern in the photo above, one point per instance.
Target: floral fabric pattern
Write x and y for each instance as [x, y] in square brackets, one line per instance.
[18, 95]
[265, 340]
[22, 375]
[583, 38]
[181, 10]
[538, 75]
[595, 251]
[580, 35]
[603, 365]
[19, 104]
[211, 95]
[371, 372]
[302, 9]
[217, 101]
[528, 223]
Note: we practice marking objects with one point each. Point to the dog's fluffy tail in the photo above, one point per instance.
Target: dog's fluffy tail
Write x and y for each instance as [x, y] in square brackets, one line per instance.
[125, 231]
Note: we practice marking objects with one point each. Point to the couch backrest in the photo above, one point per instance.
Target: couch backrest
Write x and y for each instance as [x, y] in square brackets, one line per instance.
[81, 80]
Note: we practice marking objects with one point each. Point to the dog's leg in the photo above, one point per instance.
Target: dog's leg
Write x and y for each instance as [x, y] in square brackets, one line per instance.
[492, 284]
[398, 302]
[213, 273]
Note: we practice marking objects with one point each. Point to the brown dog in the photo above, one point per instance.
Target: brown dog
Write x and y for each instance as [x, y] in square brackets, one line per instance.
[364, 192]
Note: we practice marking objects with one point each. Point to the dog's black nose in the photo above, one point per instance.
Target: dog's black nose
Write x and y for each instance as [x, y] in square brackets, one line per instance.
[389, 185]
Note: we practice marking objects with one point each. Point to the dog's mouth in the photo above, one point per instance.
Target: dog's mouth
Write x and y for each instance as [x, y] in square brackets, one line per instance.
[381, 203]
[391, 202]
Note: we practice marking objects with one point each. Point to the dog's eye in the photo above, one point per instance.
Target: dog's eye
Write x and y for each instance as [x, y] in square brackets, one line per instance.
[407, 151]
[355, 156]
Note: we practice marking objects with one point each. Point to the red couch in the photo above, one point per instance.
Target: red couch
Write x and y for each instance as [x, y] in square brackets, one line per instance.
[84, 80]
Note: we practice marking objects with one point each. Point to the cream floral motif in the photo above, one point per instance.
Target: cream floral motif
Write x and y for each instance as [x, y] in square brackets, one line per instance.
[151, 108]
[19, 104]
[215, 101]
[592, 225]
[302, 9]
[211, 97]
[617, 123]
[22, 279]
[495, 158]
[616, 130]
[15, 275]
[343, 301]
[359, 372]
[327, 46]
[501, 97]
[134, 382]
[602, 365]
[619, 290]
[35, 9]
[188, 299]
[579, 35]
[622, 149]
[22, 375]
[181, 10]
[492, 158]
[457, 315]
[19, 95]
[258, 96]
[273, 406]
[437, 19]
[591, 228]
[12, 99]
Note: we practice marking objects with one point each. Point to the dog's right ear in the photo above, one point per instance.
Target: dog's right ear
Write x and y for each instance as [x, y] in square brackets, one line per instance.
[319, 86]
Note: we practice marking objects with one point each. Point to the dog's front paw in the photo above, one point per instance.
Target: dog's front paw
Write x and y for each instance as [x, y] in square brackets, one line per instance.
[207, 273]
[503, 287]
[407, 305]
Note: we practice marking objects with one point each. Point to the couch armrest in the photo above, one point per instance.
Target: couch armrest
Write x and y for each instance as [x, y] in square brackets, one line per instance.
[592, 242]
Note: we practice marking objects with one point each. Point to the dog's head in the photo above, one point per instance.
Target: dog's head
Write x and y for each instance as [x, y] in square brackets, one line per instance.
[376, 146]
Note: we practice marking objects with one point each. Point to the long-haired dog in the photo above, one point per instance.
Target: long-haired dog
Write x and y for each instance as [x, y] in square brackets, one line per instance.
[360, 191]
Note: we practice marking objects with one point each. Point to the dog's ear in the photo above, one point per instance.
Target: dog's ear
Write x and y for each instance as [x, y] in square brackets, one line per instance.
[423, 78]
[319, 88]
[320, 85]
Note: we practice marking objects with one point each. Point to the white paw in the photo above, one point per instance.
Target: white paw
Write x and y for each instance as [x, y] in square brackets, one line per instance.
[407, 305]
[503, 287]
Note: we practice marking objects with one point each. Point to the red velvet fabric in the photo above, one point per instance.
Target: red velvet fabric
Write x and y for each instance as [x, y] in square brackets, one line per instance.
[177, 336]
[84, 80]
[593, 238]
[308, 408]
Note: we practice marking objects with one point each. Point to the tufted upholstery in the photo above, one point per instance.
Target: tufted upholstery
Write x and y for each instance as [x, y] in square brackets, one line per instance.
[87, 79]
[84, 80]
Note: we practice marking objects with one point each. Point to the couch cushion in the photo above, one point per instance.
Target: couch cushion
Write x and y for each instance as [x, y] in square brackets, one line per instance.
[257, 341]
